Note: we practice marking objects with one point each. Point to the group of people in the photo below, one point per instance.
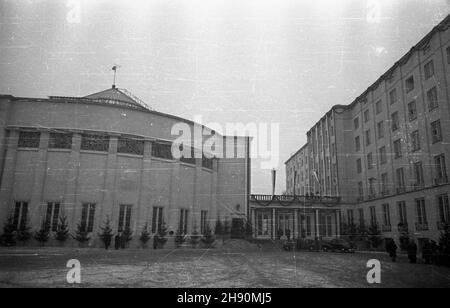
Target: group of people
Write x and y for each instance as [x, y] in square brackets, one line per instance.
[429, 249]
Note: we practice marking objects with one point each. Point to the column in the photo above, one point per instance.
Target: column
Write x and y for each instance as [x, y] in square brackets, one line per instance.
[338, 224]
[253, 222]
[36, 208]
[108, 205]
[296, 234]
[144, 204]
[273, 224]
[317, 224]
[70, 191]
[175, 199]
[7, 178]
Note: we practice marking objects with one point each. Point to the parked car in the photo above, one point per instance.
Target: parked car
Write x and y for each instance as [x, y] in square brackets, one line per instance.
[338, 245]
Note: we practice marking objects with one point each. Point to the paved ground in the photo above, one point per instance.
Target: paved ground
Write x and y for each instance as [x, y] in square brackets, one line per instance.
[45, 267]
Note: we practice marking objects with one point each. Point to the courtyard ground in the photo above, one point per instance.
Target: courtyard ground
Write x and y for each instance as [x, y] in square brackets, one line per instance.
[46, 267]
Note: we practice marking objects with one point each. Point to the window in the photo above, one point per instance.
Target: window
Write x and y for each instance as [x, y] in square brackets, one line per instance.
[432, 99]
[415, 141]
[358, 165]
[409, 84]
[356, 123]
[361, 217]
[60, 141]
[190, 157]
[393, 96]
[87, 217]
[308, 226]
[402, 214]
[366, 116]
[386, 215]
[429, 70]
[20, 215]
[263, 224]
[418, 173]
[436, 132]
[384, 184]
[400, 180]
[372, 191]
[207, 162]
[183, 221]
[383, 158]
[203, 221]
[422, 222]
[373, 215]
[157, 219]
[443, 209]
[29, 139]
[380, 130]
[360, 190]
[448, 55]
[124, 217]
[369, 161]
[412, 111]
[162, 150]
[395, 121]
[441, 171]
[350, 218]
[130, 146]
[357, 144]
[368, 141]
[378, 107]
[398, 148]
[52, 216]
[93, 142]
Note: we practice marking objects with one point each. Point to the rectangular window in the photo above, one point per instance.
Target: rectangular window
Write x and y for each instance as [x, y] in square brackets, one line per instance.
[393, 96]
[183, 221]
[409, 84]
[366, 116]
[421, 214]
[360, 190]
[383, 158]
[429, 70]
[369, 161]
[386, 215]
[20, 215]
[308, 226]
[436, 132]
[373, 215]
[402, 214]
[384, 184]
[87, 217]
[203, 221]
[157, 219]
[412, 111]
[358, 165]
[133, 146]
[400, 180]
[441, 169]
[361, 217]
[372, 192]
[378, 107]
[52, 216]
[398, 148]
[124, 217]
[356, 123]
[395, 121]
[95, 142]
[189, 156]
[415, 141]
[162, 150]
[60, 141]
[418, 173]
[207, 162]
[29, 139]
[350, 217]
[357, 144]
[368, 141]
[443, 209]
[432, 99]
[380, 130]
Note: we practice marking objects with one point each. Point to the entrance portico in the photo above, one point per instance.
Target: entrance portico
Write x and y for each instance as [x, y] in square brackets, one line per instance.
[297, 217]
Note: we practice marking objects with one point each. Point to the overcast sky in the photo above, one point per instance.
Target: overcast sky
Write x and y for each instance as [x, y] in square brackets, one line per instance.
[233, 61]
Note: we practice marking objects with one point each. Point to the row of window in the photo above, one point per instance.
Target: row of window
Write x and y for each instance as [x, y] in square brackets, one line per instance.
[443, 212]
[53, 212]
[432, 101]
[99, 142]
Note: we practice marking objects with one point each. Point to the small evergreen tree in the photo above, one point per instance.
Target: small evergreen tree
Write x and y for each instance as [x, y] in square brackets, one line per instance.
[375, 235]
[62, 230]
[145, 235]
[8, 238]
[81, 235]
[106, 233]
[162, 234]
[24, 232]
[43, 234]
[180, 238]
[127, 236]
[208, 237]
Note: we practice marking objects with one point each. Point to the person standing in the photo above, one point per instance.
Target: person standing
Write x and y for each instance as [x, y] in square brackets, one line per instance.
[412, 251]
[391, 249]
[155, 241]
[117, 240]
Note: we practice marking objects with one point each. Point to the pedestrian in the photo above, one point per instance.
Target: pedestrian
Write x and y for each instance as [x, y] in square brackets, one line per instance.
[391, 249]
[155, 241]
[117, 239]
[427, 252]
[412, 251]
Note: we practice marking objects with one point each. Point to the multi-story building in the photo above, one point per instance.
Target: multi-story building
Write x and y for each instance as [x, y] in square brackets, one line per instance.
[386, 154]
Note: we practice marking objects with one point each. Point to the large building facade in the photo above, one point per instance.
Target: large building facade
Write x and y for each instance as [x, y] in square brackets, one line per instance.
[386, 155]
[108, 155]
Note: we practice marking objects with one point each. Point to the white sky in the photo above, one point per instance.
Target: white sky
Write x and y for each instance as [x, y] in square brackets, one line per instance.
[243, 61]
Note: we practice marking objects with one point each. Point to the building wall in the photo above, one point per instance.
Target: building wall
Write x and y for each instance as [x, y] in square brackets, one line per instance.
[109, 179]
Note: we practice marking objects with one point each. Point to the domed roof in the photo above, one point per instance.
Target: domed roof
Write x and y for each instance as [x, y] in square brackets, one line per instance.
[115, 95]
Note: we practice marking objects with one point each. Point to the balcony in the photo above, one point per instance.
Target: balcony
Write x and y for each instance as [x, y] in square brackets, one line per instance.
[440, 181]
[402, 227]
[400, 190]
[421, 227]
[386, 228]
